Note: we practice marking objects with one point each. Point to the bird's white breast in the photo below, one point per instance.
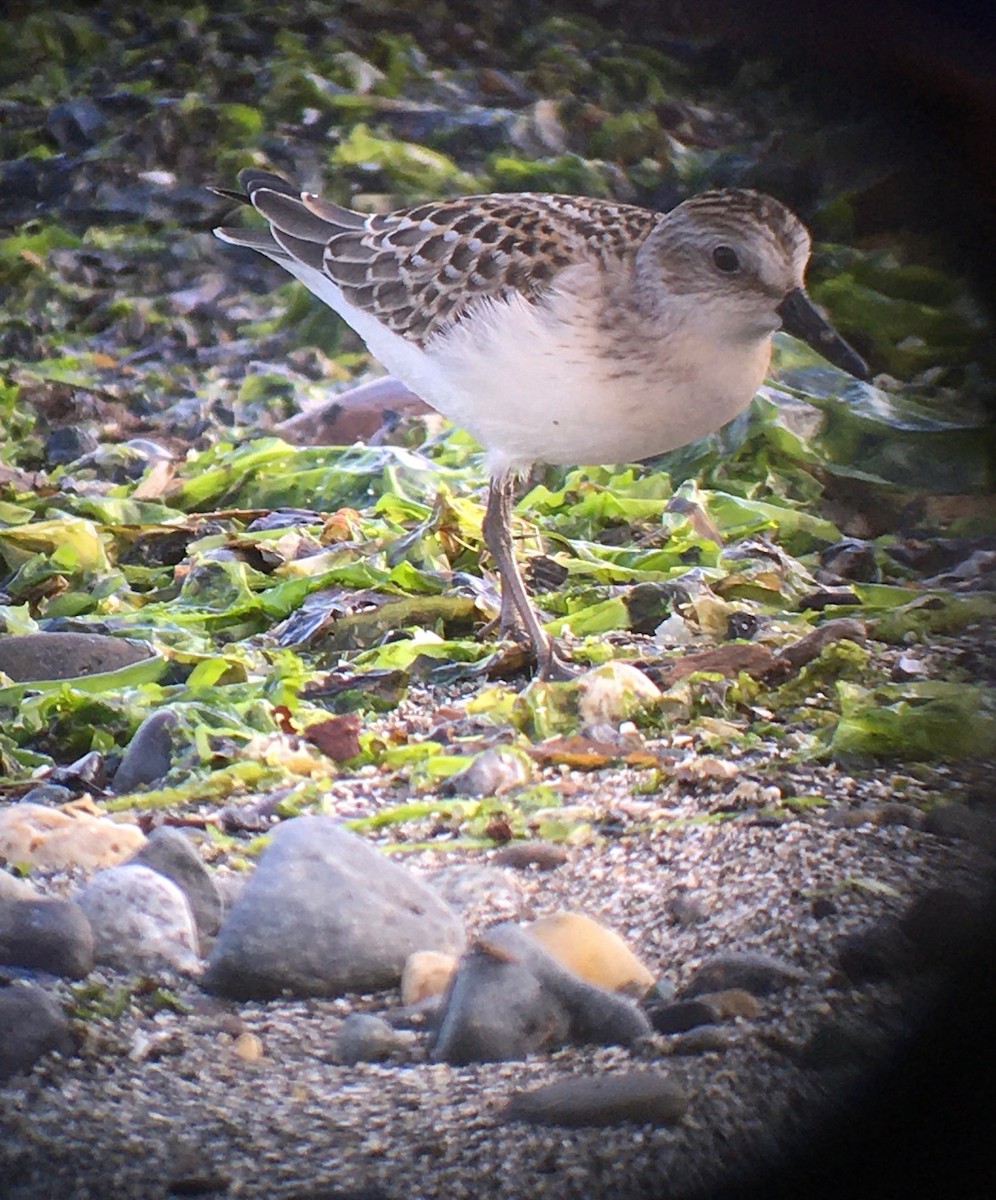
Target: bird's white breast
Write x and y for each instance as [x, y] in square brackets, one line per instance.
[549, 383]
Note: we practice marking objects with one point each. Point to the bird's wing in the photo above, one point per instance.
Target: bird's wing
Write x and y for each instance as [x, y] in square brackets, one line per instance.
[420, 269]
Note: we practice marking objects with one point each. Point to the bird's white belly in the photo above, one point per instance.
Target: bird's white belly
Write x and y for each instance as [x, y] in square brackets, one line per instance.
[533, 390]
[544, 384]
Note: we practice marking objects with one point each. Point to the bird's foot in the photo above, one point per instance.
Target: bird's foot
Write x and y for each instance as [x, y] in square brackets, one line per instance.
[550, 667]
[512, 631]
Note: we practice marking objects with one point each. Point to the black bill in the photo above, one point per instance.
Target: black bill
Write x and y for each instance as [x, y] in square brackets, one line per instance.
[801, 319]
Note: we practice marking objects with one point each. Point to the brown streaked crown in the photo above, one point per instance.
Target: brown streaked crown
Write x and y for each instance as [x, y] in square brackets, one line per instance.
[774, 241]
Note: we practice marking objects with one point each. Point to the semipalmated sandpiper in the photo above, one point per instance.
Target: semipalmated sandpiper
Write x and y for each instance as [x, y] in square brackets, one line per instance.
[557, 329]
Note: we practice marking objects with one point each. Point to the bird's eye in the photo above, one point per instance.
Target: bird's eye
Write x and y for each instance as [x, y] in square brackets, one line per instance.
[725, 257]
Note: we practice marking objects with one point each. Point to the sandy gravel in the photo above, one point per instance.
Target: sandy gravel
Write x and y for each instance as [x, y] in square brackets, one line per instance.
[171, 1103]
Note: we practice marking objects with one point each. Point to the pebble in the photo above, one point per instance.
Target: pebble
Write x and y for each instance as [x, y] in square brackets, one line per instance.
[662, 992]
[754, 972]
[47, 935]
[630, 1097]
[510, 998]
[682, 1015]
[174, 855]
[422, 1015]
[892, 813]
[55, 840]
[493, 772]
[323, 914]
[149, 754]
[70, 442]
[852, 559]
[593, 952]
[75, 125]
[545, 856]
[497, 1010]
[426, 973]
[48, 793]
[705, 768]
[31, 656]
[615, 692]
[364, 1037]
[33, 1024]
[734, 1002]
[141, 921]
[705, 1039]
[84, 774]
[248, 1046]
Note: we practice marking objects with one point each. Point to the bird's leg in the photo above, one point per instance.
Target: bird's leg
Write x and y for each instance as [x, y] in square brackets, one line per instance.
[516, 608]
[497, 530]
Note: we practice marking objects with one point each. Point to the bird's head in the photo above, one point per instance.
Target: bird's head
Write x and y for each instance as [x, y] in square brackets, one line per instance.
[742, 256]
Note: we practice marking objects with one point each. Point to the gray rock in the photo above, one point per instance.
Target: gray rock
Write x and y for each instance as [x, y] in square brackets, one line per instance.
[754, 972]
[544, 856]
[704, 1039]
[71, 442]
[149, 755]
[497, 1011]
[491, 773]
[47, 793]
[510, 998]
[681, 1015]
[631, 1097]
[82, 774]
[141, 920]
[75, 124]
[173, 854]
[325, 914]
[852, 559]
[33, 1024]
[47, 935]
[364, 1037]
[30, 656]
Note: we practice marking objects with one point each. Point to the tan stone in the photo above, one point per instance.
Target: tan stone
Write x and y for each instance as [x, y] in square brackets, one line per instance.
[593, 952]
[427, 973]
[55, 839]
[614, 692]
[734, 1002]
[248, 1047]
